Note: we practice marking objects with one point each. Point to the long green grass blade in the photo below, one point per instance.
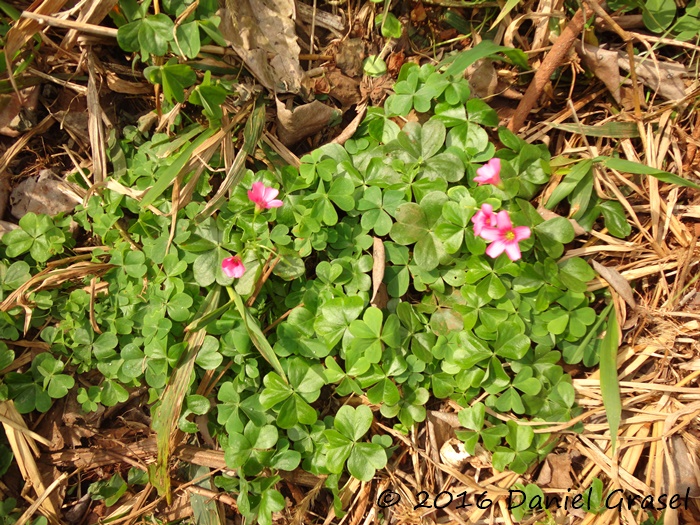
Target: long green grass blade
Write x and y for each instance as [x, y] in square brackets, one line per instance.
[256, 335]
[569, 183]
[167, 413]
[204, 508]
[459, 63]
[200, 323]
[628, 166]
[510, 5]
[618, 130]
[166, 177]
[609, 385]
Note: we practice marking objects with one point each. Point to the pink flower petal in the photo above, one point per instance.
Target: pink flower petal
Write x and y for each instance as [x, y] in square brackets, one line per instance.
[264, 197]
[521, 233]
[513, 251]
[484, 218]
[491, 234]
[504, 223]
[495, 249]
[270, 193]
[489, 173]
[233, 267]
[257, 194]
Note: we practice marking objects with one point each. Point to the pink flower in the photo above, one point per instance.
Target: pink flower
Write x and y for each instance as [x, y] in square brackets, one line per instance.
[233, 267]
[264, 197]
[489, 173]
[505, 238]
[484, 218]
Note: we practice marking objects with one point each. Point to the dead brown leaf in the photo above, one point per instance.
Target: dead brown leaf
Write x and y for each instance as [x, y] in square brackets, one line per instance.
[344, 89]
[604, 65]
[482, 78]
[556, 472]
[262, 33]
[619, 283]
[379, 293]
[45, 193]
[664, 77]
[16, 110]
[303, 121]
[454, 454]
[349, 57]
[119, 85]
[686, 476]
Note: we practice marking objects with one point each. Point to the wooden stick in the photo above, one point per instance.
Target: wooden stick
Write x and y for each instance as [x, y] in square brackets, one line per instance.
[91, 29]
[542, 76]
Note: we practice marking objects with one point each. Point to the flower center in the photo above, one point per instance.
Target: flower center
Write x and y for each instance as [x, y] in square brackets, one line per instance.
[510, 235]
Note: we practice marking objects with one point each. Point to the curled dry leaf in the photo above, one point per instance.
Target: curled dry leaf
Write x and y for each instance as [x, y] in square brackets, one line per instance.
[619, 283]
[663, 77]
[303, 121]
[603, 64]
[685, 470]
[556, 472]
[454, 454]
[351, 128]
[119, 85]
[379, 299]
[262, 34]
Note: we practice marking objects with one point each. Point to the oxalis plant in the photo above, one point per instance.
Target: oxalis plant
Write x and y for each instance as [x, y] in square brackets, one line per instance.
[260, 313]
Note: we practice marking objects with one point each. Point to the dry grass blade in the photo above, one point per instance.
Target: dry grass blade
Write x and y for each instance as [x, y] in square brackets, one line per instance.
[204, 153]
[90, 29]
[24, 450]
[303, 507]
[24, 29]
[95, 127]
[21, 143]
[24, 518]
[165, 177]
[166, 415]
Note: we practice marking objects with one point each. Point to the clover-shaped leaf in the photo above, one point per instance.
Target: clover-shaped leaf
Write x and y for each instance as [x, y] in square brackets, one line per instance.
[335, 317]
[150, 35]
[378, 207]
[253, 441]
[415, 223]
[473, 416]
[363, 459]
